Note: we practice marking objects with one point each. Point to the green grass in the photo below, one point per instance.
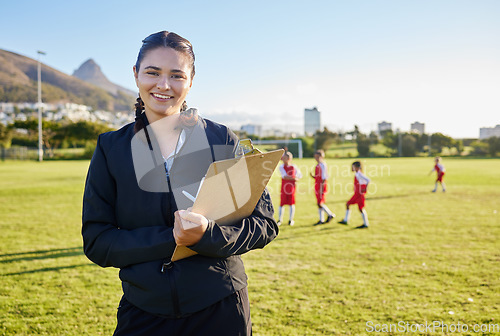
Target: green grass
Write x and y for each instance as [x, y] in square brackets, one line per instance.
[424, 256]
[342, 150]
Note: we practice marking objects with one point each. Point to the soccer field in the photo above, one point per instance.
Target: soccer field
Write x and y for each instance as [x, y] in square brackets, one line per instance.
[426, 257]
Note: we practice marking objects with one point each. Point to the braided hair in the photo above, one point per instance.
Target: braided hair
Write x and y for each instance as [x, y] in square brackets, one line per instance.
[164, 39]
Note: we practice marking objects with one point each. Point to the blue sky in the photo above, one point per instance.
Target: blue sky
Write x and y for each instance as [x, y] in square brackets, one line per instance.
[359, 61]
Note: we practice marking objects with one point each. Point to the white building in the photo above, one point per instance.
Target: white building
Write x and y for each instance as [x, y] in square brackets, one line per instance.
[74, 112]
[273, 132]
[384, 126]
[312, 121]
[488, 132]
[7, 107]
[252, 129]
[417, 127]
[69, 111]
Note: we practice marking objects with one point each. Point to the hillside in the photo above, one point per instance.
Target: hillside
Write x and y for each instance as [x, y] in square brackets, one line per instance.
[18, 83]
[91, 72]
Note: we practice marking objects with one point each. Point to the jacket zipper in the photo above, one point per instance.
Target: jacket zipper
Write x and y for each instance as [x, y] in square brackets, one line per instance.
[167, 266]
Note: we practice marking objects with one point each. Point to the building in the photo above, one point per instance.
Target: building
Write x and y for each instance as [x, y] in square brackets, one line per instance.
[488, 132]
[273, 132]
[384, 126]
[252, 129]
[58, 112]
[417, 127]
[312, 121]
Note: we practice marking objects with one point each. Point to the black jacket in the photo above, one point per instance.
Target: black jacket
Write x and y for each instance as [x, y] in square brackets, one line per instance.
[127, 224]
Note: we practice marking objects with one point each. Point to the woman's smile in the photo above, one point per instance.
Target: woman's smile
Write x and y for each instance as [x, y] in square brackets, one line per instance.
[161, 97]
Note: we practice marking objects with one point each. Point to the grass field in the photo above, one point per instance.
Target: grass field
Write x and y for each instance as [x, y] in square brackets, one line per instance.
[426, 257]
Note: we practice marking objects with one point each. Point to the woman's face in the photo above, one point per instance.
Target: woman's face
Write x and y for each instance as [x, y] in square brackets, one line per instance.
[164, 80]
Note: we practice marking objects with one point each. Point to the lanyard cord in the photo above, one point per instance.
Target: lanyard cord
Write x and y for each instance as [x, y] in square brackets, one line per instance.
[150, 145]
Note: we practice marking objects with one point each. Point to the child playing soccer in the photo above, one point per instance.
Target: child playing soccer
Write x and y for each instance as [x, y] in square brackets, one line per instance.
[321, 187]
[290, 173]
[360, 186]
[439, 168]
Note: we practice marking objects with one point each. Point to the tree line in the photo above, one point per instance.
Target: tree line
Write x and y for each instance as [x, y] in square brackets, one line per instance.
[407, 144]
[83, 134]
[55, 135]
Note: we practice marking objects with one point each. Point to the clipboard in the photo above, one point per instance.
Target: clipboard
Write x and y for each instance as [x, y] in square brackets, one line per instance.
[231, 190]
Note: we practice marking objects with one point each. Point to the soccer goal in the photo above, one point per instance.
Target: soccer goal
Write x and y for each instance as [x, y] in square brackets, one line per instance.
[294, 146]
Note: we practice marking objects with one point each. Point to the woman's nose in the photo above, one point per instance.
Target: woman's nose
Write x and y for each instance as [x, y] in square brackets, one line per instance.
[163, 84]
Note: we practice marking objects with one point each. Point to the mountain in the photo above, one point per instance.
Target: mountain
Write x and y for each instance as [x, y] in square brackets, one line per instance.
[91, 72]
[18, 83]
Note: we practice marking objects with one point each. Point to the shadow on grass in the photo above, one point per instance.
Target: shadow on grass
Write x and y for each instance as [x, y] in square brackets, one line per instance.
[398, 196]
[375, 198]
[326, 228]
[48, 269]
[42, 254]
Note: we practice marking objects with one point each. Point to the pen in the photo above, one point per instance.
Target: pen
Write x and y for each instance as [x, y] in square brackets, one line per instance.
[189, 196]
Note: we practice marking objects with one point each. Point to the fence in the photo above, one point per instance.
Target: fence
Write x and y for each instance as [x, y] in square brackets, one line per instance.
[16, 153]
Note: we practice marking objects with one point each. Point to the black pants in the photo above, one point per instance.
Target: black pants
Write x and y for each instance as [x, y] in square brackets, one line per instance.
[228, 317]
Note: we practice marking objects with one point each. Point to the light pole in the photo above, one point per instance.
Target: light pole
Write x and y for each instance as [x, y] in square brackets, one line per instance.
[40, 145]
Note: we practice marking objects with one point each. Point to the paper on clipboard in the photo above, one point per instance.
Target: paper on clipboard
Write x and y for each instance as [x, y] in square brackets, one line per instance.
[231, 190]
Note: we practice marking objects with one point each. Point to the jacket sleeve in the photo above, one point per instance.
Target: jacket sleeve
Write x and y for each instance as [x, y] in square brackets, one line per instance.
[104, 242]
[253, 232]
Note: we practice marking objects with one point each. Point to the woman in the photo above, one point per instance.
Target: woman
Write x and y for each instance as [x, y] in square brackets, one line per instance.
[135, 186]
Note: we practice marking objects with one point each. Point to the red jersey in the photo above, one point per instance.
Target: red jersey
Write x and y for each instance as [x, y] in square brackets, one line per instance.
[360, 182]
[320, 187]
[439, 168]
[288, 186]
[360, 186]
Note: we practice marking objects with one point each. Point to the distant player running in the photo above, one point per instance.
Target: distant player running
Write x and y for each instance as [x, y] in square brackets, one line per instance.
[321, 187]
[360, 186]
[439, 168]
[290, 173]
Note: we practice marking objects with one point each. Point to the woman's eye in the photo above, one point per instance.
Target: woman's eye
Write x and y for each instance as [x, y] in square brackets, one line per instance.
[152, 73]
[177, 76]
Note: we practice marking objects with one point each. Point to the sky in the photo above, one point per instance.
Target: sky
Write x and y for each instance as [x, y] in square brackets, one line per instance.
[359, 62]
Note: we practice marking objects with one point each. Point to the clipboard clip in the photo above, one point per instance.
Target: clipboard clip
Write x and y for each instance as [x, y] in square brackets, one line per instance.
[245, 147]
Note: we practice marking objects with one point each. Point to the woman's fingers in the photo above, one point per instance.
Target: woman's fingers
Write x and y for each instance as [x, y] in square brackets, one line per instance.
[189, 227]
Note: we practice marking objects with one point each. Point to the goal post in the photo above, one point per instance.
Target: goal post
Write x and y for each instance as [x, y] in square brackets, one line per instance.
[282, 143]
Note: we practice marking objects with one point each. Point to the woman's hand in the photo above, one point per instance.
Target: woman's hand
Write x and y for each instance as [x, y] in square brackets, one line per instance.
[189, 227]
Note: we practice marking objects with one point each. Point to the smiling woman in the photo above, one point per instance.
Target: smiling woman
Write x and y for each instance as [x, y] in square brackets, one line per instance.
[164, 73]
[134, 208]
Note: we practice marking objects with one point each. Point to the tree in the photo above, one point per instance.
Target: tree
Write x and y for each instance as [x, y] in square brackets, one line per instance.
[479, 148]
[49, 131]
[354, 134]
[307, 146]
[439, 140]
[409, 145]
[390, 140]
[5, 136]
[363, 145]
[493, 146]
[82, 131]
[459, 145]
[422, 142]
[325, 139]
[373, 138]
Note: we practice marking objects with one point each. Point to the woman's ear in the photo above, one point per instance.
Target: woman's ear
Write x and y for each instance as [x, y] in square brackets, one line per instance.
[136, 75]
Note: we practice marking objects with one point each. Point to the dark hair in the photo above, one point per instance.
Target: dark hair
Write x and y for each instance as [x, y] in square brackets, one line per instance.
[356, 164]
[163, 39]
[320, 152]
